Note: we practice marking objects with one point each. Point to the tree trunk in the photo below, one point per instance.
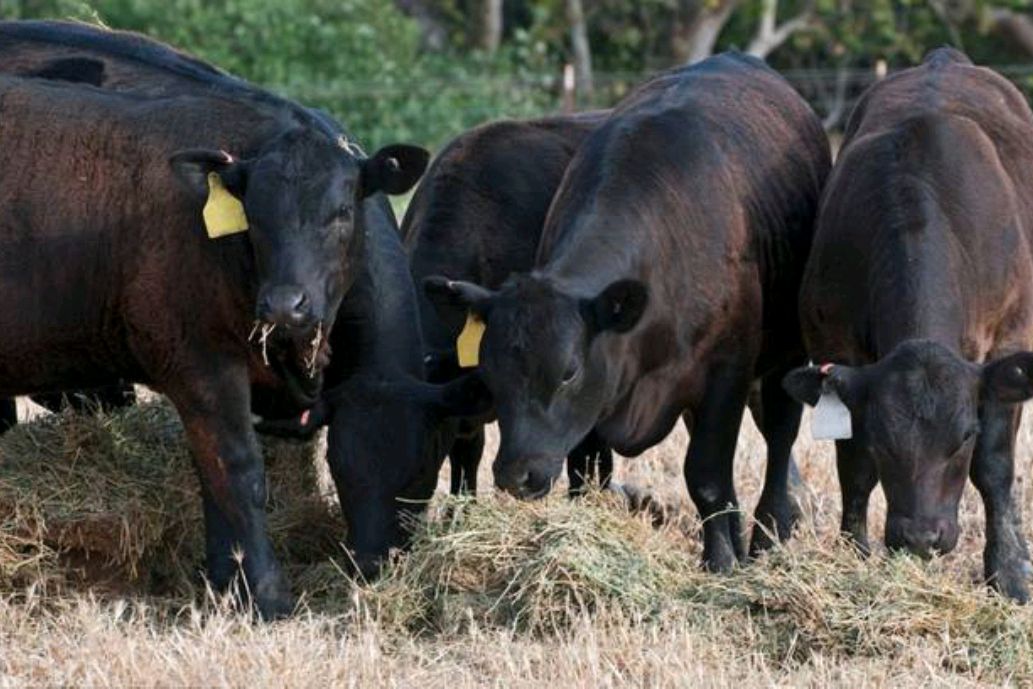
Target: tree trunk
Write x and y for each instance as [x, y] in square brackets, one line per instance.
[433, 35]
[697, 28]
[491, 25]
[582, 51]
[770, 35]
[1016, 27]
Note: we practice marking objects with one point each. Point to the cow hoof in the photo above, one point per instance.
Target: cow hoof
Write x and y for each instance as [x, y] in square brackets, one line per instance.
[761, 540]
[771, 526]
[858, 544]
[366, 566]
[1011, 582]
[719, 557]
[273, 601]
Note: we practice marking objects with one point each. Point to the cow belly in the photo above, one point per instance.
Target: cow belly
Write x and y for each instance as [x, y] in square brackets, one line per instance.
[59, 326]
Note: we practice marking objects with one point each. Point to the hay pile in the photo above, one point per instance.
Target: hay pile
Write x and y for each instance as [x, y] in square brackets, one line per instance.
[112, 501]
[540, 568]
[88, 497]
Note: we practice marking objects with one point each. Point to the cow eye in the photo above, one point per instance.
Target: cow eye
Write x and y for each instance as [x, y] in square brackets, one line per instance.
[571, 374]
[343, 214]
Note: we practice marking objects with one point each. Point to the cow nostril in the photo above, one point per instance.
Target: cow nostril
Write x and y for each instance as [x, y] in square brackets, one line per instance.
[519, 481]
[285, 306]
[300, 302]
[513, 482]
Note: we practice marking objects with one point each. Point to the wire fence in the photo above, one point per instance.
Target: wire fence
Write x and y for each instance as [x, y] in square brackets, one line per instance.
[434, 110]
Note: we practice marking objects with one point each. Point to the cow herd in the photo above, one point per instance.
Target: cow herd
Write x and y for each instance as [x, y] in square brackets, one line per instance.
[585, 280]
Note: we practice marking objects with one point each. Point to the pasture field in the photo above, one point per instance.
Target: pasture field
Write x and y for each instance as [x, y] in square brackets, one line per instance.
[505, 594]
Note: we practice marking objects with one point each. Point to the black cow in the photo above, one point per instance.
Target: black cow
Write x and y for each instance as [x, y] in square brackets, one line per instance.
[478, 215]
[666, 282]
[919, 291]
[380, 432]
[124, 226]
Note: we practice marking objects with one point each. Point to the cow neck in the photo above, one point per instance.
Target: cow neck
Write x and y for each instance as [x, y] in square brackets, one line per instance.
[913, 291]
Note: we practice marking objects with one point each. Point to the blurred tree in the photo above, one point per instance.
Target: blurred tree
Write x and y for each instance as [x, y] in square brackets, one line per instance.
[696, 28]
[433, 34]
[490, 26]
[408, 69]
[582, 51]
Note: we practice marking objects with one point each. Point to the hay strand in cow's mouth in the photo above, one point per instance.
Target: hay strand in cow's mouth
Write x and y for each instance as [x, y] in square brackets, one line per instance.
[263, 340]
[313, 356]
[263, 330]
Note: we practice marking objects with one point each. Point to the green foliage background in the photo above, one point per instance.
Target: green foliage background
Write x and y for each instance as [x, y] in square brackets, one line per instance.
[362, 59]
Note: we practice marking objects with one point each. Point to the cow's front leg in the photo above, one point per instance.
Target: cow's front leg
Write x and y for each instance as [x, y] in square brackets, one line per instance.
[215, 409]
[857, 479]
[464, 458]
[708, 466]
[1006, 562]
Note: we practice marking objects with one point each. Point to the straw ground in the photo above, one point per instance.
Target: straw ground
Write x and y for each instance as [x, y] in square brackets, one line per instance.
[99, 552]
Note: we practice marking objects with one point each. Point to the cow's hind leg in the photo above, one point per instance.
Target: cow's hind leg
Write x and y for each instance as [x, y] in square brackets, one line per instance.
[8, 414]
[779, 421]
[464, 459]
[215, 409]
[590, 461]
[708, 467]
[1006, 561]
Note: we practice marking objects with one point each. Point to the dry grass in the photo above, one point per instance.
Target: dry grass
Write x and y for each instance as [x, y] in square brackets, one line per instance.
[112, 502]
[495, 593]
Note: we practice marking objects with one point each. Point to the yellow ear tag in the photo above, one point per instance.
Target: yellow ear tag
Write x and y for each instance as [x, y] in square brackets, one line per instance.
[468, 344]
[223, 212]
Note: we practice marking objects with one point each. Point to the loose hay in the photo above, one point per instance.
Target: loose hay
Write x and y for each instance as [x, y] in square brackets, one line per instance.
[114, 497]
[541, 568]
[114, 500]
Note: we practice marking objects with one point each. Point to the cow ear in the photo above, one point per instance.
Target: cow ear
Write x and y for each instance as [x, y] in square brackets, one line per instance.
[80, 70]
[466, 397]
[393, 169]
[805, 384]
[448, 294]
[1010, 379]
[463, 397]
[441, 366]
[193, 166]
[619, 307]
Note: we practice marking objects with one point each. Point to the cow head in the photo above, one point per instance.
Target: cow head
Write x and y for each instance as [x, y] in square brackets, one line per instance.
[537, 360]
[302, 195]
[916, 414]
[385, 447]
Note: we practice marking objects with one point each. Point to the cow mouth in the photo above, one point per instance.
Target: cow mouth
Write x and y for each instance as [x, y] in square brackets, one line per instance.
[297, 356]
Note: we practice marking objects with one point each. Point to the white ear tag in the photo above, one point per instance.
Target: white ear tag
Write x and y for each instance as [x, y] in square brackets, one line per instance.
[831, 418]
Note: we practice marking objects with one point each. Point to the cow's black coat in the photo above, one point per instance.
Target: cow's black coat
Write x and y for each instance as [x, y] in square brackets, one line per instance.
[922, 269]
[666, 282]
[478, 215]
[194, 347]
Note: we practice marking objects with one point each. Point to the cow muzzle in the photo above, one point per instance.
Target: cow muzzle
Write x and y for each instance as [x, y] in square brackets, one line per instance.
[528, 479]
[923, 537]
[286, 306]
